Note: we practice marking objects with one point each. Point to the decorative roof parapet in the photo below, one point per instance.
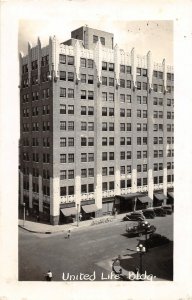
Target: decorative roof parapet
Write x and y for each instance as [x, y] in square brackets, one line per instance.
[77, 54]
[133, 66]
[98, 59]
[150, 68]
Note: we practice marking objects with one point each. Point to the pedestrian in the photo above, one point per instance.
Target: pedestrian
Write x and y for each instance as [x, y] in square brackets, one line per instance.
[80, 217]
[49, 276]
[69, 234]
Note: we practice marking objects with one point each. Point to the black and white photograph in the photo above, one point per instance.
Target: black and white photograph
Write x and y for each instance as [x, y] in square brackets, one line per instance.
[95, 152]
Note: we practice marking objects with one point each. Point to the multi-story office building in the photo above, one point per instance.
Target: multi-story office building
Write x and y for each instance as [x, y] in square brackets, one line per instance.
[96, 127]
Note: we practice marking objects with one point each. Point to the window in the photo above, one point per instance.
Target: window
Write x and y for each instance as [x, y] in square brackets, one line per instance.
[62, 75]
[145, 168]
[111, 111]
[138, 126]
[144, 154]
[63, 142]
[83, 78]
[83, 156]
[138, 168]
[128, 126]
[138, 99]
[90, 141]
[138, 113]
[138, 154]
[160, 114]
[90, 95]
[63, 191]
[104, 156]
[104, 96]
[144, 113]
[155, 101]
[144, 126]
[122, 112]
[144, 86]
[111, 170]
[122, 155]
[111, 126]
[104, 186]
[160, 127]
[160, 167]
[83, 63]
[128, 69]
[111, 155]
[62, 92]
[128, 97]
[122, 184]
[155, 88]
[70, 126]
[63, 158]
[83, 141]
[128, 154]
[139, 71]
[95, 38]
[104, 171]
[160, 88]
[122, 126]
[111, 97]
[104, 80]
[63, 174]
[122, 68]
[144, 100]
[70, 60]
[90, 63]
[144, 72]
[90, 79]
[128, 169]
[104, 111]
[144, 140]
[129, 84]
[70, 158]
[122, 170]
[62, 59]
[138, 85]
[71, 190]
[83, 173]
[138, 140]
[62, 125]
[84, 126]
[128, 113]
[169, 127]
[90, 156]
[71, 142]
[104, 126]
[168, 115]
[83, 188]
[104, 141]
[83, 94]
[155, 127]
[83, 110]
[168, 140]
[70, 76]
[102, 39]
[122, 98]
[168, 102]
[71, 109]
[168, 89]
[70, 174]
[160, 101]
[111, 67]
[90, 126]
[70, 93]
[104, 65]
[90, 110]
[122, 141]
[111, 81]
[160, 153]
[122, 83]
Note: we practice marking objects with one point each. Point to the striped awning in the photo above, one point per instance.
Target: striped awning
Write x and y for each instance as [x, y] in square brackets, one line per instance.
[70, 211]
[171, 194]
[160, 197]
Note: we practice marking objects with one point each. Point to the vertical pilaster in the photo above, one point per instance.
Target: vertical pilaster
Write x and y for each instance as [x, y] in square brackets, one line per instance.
[40, 194]
[134, 132]
[29, 62]
[20, 67]
[117, 64]
[21, 186]
[117, 142]
[133, 65]
[150, 147]
[54, 200]
[39, 58]
[30, 191]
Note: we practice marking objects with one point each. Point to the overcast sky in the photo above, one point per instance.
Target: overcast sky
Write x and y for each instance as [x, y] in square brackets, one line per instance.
[156, 35]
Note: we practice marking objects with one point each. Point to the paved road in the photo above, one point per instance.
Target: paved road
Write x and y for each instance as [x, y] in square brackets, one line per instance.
[88, 250]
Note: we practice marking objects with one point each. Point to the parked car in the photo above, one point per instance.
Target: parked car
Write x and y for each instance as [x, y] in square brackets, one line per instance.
[140, 229]
[168, 209]
[134, 216]
[159, 212]
[149, 213]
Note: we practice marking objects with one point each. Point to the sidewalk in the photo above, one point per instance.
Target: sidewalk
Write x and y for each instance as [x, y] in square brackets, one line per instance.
[36, 227]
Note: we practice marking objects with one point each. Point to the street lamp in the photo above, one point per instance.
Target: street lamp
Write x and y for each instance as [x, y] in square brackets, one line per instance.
[141, 250]
[77, 215]
[23, 214]
[146, 226]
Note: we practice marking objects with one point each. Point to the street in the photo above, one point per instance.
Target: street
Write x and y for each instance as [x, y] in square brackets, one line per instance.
[89, 250]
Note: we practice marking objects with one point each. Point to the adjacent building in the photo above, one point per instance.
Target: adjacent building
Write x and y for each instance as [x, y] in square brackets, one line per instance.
[96, 128]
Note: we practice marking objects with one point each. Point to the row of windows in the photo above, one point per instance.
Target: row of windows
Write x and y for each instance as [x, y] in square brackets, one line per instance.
[63, 125]
[84, 173]
[69, 110]
[128, 155]
[87, 141]
[63, 158]
[35, 142]
[63, 142]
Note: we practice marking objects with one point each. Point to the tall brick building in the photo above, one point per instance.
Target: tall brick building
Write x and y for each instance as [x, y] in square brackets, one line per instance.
[96, 128]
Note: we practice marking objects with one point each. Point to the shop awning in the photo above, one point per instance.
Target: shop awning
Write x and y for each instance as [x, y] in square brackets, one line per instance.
[145, 199]
[160, 197]
[89, 208]
[129, 196]
[171, 194]
[70, 211]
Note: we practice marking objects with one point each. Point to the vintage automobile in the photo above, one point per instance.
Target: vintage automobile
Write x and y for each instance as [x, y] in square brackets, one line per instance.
[168, 209]
[139, 229]
[149, 213]
[134, 216]
[159, 211]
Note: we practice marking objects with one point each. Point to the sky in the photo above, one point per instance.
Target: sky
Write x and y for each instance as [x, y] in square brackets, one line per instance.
[143, 35]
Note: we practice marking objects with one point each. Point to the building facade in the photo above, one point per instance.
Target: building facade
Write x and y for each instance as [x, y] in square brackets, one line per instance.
[96, 128]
